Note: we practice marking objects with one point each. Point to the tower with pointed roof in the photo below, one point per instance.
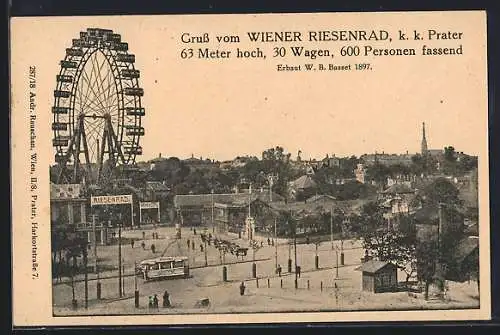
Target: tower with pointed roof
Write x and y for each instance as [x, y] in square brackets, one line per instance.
[424, 150]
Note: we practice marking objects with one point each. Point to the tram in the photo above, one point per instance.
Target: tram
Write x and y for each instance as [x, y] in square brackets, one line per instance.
[164, 268]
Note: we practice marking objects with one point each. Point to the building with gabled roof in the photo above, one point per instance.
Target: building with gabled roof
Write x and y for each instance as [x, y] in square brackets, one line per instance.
[378, 276]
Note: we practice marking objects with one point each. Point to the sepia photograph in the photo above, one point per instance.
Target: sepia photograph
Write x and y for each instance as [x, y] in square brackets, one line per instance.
[253, 165]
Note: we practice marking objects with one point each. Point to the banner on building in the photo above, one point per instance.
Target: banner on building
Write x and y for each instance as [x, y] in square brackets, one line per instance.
[111, 200]
[149, 205]
[65, 191]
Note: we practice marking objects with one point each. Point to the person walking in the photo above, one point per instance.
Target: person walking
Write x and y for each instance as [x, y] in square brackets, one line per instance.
[153, 248]
[298, 271]
[143, 235]
[268, 241]
[132, 244]
[242, 288]
[278, 270]
[166, 299]
[150, 304]
[143, 245]
[188, 243]
[155, 302]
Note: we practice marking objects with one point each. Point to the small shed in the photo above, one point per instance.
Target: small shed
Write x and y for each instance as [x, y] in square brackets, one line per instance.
[379, 276]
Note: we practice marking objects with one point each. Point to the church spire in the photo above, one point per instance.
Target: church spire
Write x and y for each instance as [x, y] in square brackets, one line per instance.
[424, 149]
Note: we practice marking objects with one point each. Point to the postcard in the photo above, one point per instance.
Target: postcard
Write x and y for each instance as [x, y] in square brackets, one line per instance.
[250, 168]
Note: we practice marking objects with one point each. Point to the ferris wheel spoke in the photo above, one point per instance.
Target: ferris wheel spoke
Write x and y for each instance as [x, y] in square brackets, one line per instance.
[100, 79]
[90, 107]
[110, 93]
[90, 90]
[105, 106]
[94, 84]
[109, 87]
[94, 128]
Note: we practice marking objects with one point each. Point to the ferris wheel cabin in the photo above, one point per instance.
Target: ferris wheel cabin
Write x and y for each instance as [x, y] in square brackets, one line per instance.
[135, 130]
[133, 111]
[134, 91]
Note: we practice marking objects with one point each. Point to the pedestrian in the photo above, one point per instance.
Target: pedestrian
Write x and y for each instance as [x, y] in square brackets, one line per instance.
[155, 302]
[268, 241]
[143, 245]
[194, 231]
[279, 270]
[166, 300]
[143, 235]
[242, 288]
[132, 244]
[150, 305]
[298, 271]
[188, 242]
[153, 248]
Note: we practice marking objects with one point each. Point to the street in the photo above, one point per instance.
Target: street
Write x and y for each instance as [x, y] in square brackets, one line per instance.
[269, 292]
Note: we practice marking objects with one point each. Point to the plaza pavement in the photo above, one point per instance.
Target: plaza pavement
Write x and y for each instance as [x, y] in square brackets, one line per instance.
[315, 287]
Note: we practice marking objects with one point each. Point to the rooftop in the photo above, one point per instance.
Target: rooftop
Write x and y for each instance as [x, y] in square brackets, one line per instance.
[373, 266]
[304, 182]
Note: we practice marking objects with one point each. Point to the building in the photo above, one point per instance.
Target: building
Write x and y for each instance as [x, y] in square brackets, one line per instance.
[378, 276]
[199, 163]
[322, 199]
[331, 162]
[360, 173]
[464, 265]
[155, 191]
[231, 215]
[423, 145]
[437, 154]
[69, 208]
[198, 209]
[303, 187]
[387, 159]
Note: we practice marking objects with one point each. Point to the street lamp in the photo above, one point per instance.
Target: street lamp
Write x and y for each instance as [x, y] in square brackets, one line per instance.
[120, 255]
[213, 222]
[336, 262]
[275, 245]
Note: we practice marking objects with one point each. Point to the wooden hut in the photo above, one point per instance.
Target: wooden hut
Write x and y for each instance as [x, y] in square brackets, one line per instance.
[379, 276]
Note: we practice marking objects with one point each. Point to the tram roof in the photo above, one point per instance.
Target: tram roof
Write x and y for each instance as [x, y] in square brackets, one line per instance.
[165, 259]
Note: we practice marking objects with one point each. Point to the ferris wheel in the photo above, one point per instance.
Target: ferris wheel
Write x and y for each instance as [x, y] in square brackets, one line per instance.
[97, 111]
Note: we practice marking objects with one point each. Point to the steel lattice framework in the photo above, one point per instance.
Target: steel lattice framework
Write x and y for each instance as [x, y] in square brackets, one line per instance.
[97, 109]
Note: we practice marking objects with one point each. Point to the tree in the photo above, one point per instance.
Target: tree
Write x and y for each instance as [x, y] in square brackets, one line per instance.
[353, 190]
[397, 246]
[440, 191]
[427, 254]
[449, 154]
[378, 172]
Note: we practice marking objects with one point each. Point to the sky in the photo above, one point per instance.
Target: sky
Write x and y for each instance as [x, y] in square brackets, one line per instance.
[220, 109]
